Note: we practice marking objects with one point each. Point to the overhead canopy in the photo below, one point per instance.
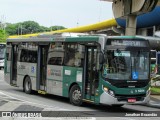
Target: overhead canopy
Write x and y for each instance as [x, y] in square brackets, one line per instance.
[112, 0]
[145, 20]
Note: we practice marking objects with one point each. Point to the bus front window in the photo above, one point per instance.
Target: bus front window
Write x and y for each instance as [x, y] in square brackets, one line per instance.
[126, 65]
[140, 65]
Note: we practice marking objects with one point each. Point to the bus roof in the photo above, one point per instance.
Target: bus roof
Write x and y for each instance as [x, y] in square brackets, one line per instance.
[153, 41]
[70, 37]
[51, 38]
[127, 37]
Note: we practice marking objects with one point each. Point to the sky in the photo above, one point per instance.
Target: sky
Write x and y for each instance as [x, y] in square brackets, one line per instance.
[67, 13]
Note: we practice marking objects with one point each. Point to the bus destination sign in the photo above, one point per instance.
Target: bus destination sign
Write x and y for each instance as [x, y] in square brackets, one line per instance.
[133, 43]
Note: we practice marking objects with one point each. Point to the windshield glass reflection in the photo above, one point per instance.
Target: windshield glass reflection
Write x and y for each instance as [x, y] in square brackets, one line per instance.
[126, 65]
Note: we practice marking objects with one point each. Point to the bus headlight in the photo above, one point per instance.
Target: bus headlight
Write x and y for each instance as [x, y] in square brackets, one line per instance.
[107, 90]
[111, 93]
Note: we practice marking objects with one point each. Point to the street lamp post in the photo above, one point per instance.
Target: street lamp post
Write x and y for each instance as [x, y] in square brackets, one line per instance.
[20, 31]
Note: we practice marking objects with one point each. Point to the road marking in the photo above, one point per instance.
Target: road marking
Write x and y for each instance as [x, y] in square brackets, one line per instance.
[123, 118]
[25, 101]
[51, 118]
[10, 106]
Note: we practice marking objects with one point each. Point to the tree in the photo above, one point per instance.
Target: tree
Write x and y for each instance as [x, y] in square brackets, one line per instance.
[29, 27]
[44, 29]
[3, 36]
[53, 28]
[11, 29]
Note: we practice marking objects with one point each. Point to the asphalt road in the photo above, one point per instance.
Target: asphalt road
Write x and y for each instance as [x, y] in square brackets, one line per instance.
[56, 103]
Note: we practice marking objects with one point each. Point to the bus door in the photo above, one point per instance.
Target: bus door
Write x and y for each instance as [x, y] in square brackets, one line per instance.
[42, 67]
[91, 75]
[13, 68]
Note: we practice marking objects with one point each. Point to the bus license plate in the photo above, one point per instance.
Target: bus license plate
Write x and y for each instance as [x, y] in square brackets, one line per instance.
[131, 100]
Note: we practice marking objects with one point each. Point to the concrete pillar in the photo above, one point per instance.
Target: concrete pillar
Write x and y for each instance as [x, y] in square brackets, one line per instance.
[154, 30]
[131, 22]
[142, 31]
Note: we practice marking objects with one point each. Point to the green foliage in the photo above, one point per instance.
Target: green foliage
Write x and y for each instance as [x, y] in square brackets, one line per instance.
[11, 29]
[29, 27]
[155, 90]
[53, 28]
[3, 36]
[44, 29]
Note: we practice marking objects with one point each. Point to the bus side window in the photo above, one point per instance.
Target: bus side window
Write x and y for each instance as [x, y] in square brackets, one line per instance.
[32, 56]
[71, 57]
[55, 58]
[28, 53]
[74, 55]
[55, 61]
[56, 54]
[23, 56]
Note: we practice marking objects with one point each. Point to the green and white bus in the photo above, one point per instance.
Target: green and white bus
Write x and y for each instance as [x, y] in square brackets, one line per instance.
[2, 54]
[85, 68]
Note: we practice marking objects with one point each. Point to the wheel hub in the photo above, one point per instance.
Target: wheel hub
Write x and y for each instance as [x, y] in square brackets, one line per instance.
[76, 95]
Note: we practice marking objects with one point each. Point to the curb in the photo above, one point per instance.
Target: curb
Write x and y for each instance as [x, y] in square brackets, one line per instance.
[154, 105]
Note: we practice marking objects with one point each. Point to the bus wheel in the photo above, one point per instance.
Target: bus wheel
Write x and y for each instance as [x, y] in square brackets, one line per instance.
[27, 85]
[75, 95]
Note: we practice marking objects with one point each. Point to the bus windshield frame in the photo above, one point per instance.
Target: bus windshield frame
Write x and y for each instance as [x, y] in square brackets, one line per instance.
[126, 61]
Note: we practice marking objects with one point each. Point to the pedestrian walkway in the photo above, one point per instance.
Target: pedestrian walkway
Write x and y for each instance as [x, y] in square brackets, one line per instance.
[156, 98]
[14, 108]
[155, 101]
[8, 103]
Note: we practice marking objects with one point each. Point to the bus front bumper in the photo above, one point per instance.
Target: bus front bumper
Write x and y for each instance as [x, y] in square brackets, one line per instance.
[107, 99]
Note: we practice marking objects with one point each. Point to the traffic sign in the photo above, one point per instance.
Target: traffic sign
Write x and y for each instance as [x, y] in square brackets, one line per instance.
[134, 75]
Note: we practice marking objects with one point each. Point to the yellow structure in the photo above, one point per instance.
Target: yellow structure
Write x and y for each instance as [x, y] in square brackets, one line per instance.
[92, 27]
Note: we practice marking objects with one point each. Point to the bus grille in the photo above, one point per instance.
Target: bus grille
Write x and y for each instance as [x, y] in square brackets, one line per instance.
[125, 84]
[126, 97]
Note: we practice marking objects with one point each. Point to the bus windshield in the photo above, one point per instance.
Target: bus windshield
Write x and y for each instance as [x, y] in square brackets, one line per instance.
[2, 51]
[126, 65]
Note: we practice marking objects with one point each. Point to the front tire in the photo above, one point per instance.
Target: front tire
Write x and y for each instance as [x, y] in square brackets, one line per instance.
[27, 85]
[75, 95]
